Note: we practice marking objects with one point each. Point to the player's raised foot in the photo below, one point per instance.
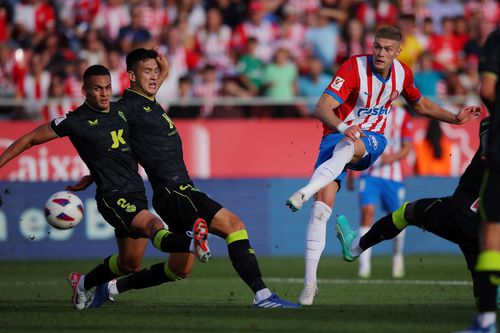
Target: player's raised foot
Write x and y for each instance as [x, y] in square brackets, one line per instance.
[274, 301]
[80, 298]
[101, 295]
[200, 236]
[345, 235]
[296, 201]
[476, 328]
[398, 267]
[308, 293]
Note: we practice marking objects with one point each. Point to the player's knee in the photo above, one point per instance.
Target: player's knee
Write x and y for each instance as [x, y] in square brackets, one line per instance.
[130, 267]
[180, 272]
[225, 223]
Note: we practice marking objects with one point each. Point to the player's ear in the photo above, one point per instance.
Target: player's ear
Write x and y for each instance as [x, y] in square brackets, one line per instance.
[84, 90]
[131, 76]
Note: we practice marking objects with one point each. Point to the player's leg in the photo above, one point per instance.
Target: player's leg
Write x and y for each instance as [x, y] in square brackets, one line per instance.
[369, 196]
[385, 228]
[335, 152]
[230, 227]
[316, 239]
[393, 195]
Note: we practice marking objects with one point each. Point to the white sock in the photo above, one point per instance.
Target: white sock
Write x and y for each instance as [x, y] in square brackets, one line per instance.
[487, 318]
[113, 291]
[330, 169]
[398, 244]
[81, 283]
[191, 246]
[365, 257]
[262, 294]
[315, 239]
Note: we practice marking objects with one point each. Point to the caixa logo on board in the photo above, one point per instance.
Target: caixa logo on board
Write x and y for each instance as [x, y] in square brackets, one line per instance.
[373, 111]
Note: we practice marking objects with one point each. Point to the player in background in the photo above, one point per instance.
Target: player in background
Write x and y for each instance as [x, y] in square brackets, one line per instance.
[383, 183]
[100, 135]
[158, 148]
[488, 264]
[353, 110]
[455, 218]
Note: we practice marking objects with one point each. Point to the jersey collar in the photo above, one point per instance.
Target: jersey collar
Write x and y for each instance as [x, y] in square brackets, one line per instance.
[377, 75]
[96, 110]
[128, 90]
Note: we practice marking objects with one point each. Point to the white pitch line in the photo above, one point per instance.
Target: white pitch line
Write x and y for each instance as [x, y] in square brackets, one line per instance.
[373, 281]
[277, 280]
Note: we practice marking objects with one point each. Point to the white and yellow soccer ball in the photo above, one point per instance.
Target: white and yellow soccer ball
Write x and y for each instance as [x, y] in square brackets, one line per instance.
[63, 210]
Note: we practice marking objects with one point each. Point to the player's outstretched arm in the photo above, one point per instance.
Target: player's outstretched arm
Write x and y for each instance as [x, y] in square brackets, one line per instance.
[427, 108]
[84, 182]
[38, 136]
[324, 111]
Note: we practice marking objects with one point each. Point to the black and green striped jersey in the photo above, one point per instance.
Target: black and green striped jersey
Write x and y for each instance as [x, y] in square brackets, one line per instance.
[101, 139]
[154, 140]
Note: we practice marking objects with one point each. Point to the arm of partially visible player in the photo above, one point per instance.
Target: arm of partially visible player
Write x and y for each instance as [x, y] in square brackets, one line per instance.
[38, 136]
[427, 108]
[82, 184]
[162, 62]
[324, 111]
[487, 89]
[399, 155]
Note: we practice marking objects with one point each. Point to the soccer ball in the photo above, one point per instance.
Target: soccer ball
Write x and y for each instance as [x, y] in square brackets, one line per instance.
[63, 210]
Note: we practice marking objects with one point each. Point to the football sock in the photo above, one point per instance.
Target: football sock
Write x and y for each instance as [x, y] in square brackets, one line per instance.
[399, 242]
[488, 278]
[383, 229]
[315, 238]
[365, 257]
[148, 277]
[326, 172]
[262, 295]
[167, 241]
[104, 272]
[486, 319]
[244, 261]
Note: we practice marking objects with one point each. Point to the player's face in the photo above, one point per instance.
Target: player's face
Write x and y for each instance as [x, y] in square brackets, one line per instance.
[384, 53]
[97, 91]
[146, 77]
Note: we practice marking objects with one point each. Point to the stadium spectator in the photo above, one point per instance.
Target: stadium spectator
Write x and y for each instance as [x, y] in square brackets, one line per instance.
[134, 35]
[430, 82]
[256, 26]
[433, 153]
[119, 76]
[154, 17]
[93, 50]
[233, 12]
[113, 16]
[251, 68]
[59, 103]
[441, 9]
[292, 33]
[446, 47]
[208, 87]
[411, 46]
[375, 13]
[182, 108]
[313, 83]
[35, 87]
[354, 41]
[5, 22]
[214, 41]
[322, 36]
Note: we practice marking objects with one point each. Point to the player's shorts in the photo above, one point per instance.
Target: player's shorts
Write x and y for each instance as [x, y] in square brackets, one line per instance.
[489, 205]
[447, 219]
[373, 190]
[374, 143]
[119, 211]
[180, 206]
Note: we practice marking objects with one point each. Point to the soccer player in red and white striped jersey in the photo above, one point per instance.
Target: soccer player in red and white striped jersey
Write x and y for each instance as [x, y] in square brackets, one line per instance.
[353, 110]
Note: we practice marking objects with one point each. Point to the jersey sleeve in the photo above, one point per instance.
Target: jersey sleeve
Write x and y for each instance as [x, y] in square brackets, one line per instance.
[407, 128]
[61, 126]
[488, 61]
[410, 92]
[344, 81]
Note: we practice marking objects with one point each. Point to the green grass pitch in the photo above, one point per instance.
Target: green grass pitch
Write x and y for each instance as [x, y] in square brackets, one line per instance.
[435, 296]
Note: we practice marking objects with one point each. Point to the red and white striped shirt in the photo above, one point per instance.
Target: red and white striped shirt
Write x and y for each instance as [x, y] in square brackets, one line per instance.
[365, 98]
[397, 131]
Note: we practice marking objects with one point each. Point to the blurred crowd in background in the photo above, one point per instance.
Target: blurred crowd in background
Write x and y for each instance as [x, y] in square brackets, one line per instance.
[272, 51]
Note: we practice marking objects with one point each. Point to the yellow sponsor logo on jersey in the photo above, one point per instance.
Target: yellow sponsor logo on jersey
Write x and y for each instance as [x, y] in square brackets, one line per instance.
[117, 137]
[169, 121]
[93, 122]
[129, 208]
[122, 115]
[146, 108]
[184, 187]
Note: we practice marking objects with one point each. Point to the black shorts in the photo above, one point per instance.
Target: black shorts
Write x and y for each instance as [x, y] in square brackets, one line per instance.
[441, 217]
[180, 206]
[489, 205]
[119, 211]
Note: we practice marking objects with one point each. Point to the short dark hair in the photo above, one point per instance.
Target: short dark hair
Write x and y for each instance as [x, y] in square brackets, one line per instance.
[390, 33]
[94, 70]
[138, 55]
